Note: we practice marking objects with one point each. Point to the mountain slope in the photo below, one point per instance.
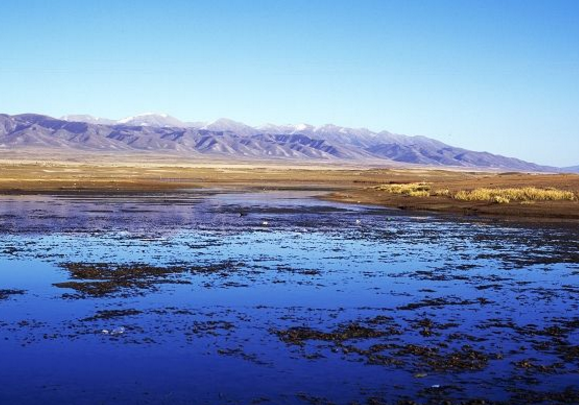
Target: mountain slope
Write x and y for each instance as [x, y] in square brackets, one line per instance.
[572, 169]
[88, 119]
[153, 120]
[233, 140]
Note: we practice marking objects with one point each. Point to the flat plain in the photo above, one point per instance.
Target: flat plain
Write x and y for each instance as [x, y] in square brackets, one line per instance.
[345, 184]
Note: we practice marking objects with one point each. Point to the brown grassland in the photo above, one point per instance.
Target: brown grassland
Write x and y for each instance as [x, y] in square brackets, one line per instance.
[472, 193]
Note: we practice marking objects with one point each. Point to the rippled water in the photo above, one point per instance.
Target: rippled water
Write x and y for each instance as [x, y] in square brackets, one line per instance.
[278, 297]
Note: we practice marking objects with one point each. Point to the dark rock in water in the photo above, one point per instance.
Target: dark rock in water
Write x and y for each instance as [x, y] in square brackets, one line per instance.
[5, 294]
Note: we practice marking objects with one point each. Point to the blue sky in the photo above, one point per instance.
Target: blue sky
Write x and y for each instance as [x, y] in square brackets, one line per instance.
[501, 76]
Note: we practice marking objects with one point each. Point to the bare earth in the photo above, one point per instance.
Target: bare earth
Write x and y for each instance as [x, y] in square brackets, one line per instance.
[345, 184]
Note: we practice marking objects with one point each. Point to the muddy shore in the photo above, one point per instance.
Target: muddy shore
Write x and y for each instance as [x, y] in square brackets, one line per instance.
[349, 185]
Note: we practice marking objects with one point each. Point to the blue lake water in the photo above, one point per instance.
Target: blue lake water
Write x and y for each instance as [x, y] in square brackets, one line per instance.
[278, 297]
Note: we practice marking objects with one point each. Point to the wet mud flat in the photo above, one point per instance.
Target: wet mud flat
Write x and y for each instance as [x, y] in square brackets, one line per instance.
[278, 297]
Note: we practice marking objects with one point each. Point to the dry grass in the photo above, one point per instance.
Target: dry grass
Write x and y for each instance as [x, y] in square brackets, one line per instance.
[507, 195]
[410, 189]
[443, 193]
[525, 195]
[546, 196]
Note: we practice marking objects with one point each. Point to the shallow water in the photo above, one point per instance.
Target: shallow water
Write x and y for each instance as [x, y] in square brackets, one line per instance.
[278, 297]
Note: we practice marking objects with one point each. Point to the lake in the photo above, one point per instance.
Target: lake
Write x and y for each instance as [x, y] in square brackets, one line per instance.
[278, 297]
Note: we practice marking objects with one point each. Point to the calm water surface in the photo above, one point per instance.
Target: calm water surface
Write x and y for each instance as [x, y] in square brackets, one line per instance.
[277, 297]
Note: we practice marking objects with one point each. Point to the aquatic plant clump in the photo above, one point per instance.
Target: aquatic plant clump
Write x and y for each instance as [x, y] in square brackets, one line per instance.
[507, 195]
[5, 294]
[104, 279]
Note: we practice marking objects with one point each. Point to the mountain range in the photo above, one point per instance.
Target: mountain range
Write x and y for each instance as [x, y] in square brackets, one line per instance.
[231, 140]
[573, 169]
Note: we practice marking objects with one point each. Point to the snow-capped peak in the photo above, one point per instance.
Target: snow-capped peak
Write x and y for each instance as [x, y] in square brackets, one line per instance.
[152, 119]
[302, 127]
[87, 118]
[227, 125]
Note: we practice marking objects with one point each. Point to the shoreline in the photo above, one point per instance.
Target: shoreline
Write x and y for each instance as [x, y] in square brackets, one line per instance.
[538, 212]
[345, 185]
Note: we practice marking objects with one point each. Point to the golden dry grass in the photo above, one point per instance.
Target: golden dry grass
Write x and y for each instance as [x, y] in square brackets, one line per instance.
[507, 195]
[411, 189]
[443, 192]
[493, 195]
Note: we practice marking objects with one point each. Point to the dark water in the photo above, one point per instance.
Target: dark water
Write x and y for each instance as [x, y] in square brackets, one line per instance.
[280, 298]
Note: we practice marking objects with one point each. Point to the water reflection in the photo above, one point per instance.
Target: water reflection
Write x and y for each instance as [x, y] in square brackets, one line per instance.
[305, 301]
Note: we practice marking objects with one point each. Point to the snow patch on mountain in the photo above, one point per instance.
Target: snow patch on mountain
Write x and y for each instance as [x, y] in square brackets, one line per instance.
[153, 120]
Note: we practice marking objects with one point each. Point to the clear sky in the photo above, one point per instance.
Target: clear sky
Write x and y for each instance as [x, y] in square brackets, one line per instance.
[501, 76]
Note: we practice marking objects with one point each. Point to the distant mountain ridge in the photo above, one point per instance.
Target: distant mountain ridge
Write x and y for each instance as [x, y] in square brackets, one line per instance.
[233, 140]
